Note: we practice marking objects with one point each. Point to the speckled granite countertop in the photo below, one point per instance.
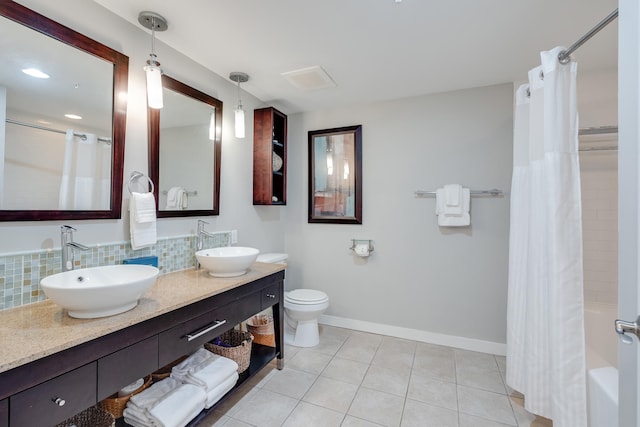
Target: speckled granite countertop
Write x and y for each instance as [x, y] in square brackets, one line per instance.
[38, 330]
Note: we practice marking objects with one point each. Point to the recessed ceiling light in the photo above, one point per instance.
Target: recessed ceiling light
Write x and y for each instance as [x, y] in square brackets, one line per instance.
[73, 116]
[34, 72]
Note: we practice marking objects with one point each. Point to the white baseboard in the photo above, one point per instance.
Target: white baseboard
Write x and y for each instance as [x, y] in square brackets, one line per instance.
[472, 344]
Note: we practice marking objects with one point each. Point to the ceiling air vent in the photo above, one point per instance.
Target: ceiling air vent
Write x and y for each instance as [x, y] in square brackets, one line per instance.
[309, 78]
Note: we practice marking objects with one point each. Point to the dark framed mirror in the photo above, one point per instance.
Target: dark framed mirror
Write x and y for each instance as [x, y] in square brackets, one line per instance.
[62, 136]
[335, 175]
[185, 151]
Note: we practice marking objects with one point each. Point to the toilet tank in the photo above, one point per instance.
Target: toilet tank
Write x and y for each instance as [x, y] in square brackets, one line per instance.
[273, 258]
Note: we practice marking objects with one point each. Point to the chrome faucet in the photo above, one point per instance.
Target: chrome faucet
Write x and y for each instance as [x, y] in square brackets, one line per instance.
[201, 234]
[200, 238]
[68, 245]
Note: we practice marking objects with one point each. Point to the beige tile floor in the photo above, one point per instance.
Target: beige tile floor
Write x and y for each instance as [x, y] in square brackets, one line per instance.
[357, 379]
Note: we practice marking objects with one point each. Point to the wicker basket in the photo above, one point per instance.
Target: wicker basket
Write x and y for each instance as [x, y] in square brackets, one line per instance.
[239, 348]
[115, 405]
[92, 417]
[261, 327]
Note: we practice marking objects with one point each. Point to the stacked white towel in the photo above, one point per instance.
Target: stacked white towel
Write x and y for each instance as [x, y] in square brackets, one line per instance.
[142, 221]
[167, 403]
[214, 374]
[177, 199]
[452, 206]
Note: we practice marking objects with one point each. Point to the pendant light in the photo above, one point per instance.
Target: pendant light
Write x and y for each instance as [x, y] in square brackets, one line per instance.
[154, 22]
[239, 77]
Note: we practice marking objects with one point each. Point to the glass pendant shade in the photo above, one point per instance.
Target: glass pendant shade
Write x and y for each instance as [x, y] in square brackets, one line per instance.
[154, 86]
[239, 122]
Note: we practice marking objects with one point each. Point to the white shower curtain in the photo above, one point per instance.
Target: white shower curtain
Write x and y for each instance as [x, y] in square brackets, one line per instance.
[86, 173]
[545, 314]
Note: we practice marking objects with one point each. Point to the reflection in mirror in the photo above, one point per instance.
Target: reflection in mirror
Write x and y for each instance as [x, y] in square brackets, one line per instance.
[335, 175]
[61, 136]
[185, 151]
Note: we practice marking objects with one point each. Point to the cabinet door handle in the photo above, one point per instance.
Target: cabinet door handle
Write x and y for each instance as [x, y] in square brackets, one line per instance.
[272, 296]
[58, 401]
[193, 335]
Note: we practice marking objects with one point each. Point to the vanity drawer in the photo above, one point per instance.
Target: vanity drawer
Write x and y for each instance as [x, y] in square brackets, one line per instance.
[270, 296]
[247, 306]
[37, 406]
[187, 337]
[127, 365]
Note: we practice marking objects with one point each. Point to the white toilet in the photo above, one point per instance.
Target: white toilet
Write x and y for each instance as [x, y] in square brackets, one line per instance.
[302, 307]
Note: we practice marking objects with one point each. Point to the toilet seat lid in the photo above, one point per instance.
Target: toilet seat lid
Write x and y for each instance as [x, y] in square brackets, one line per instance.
[306, 296]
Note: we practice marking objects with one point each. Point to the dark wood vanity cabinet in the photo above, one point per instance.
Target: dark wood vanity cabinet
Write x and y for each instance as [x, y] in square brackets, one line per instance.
[4, 413]
[269, 157]
[52, 389]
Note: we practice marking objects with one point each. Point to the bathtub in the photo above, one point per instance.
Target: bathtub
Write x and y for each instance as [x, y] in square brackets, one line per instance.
[602, 363]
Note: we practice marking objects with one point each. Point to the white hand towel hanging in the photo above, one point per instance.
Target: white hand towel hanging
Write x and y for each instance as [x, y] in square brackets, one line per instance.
[143, 233]
[453, 199]
[450, 215]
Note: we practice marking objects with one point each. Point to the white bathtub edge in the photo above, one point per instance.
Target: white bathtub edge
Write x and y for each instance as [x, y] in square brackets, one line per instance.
[603, 397]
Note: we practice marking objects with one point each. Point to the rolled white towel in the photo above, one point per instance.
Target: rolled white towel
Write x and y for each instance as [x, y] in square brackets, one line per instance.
[178, 407]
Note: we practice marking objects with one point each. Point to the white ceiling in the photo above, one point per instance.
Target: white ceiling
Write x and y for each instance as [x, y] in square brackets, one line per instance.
[376, 49]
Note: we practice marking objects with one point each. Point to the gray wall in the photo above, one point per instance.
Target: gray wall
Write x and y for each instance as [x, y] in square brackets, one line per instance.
[420, 276]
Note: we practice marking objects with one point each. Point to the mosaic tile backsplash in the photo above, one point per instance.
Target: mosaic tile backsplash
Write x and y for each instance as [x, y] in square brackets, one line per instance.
[20, 273]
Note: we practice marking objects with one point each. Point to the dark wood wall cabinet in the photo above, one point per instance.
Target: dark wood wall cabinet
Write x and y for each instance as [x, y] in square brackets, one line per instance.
[50, 390]
[269, 157]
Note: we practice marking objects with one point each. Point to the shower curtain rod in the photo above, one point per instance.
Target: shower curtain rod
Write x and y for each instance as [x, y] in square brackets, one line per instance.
[564, 56]
[79, 135]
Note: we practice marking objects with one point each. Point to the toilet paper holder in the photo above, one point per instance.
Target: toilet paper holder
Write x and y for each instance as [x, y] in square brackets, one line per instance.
[356, 242]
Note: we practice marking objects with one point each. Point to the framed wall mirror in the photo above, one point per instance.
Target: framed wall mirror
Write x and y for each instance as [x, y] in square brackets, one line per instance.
[62, 121]
[185, 141]
[335, 175]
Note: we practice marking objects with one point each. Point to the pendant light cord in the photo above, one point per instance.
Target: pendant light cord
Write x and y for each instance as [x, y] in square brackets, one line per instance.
[153, 38]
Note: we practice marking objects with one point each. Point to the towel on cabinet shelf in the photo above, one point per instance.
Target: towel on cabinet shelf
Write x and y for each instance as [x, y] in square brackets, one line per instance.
[214, 374]
[142, 221]
[178, 407]
[218, 392]
[204, 369]
[167, 403]
[452, 206]
[193, 361]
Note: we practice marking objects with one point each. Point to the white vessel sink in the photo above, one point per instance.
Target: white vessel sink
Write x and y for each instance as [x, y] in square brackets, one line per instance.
[227, 261]
[103, 291]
